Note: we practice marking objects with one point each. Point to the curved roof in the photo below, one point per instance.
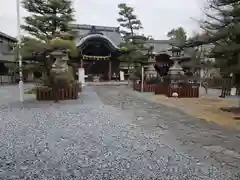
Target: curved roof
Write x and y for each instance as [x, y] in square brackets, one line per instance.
[82, 42]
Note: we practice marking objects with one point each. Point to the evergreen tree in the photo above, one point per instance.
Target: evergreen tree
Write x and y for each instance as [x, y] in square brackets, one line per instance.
[178, 34]
[46, 17]
[223, 29]
[134, 43]
[128, 21]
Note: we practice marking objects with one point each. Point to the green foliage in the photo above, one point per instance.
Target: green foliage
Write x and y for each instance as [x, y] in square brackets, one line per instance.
[153, 80]
[224, 32]
[133, 54]
[69, 45]
[178, 34]
[46, 17]
[135, 74]
[62, 79]
[133, 43]
[30, 47]
[128, 21]
[30, 91]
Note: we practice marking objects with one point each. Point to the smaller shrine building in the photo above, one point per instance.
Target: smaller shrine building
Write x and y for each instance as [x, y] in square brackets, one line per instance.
[99, 50]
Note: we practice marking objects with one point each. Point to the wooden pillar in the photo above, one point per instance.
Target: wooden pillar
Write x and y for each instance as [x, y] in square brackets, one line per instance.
[142, 77]
[81, 63]
[109, 70]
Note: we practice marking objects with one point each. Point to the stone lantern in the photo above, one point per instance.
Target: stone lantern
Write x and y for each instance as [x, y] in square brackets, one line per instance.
[176, 71]
[150, 70]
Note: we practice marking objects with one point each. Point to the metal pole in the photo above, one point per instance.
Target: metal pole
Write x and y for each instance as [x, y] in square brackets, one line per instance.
[142, 78]
[19, 53]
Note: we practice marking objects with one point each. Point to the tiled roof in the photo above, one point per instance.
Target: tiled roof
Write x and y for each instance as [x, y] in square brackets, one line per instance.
[8, 37]
[97, 36]
[111, 32]
[160, 46]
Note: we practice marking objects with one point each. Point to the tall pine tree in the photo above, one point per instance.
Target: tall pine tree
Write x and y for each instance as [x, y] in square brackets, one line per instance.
[128, 21]
[46, 17]
[130, 25]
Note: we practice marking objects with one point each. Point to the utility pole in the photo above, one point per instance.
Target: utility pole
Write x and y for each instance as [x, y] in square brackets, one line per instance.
[19, 53]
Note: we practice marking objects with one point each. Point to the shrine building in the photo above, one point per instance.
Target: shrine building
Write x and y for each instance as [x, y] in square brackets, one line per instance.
[99, 48]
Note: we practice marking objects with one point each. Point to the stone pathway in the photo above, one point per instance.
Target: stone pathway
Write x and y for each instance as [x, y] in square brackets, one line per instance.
[204, 140]
[99, 136]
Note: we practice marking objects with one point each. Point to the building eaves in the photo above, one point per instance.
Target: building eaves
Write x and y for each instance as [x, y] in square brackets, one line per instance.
[89, 27]
[2, 34]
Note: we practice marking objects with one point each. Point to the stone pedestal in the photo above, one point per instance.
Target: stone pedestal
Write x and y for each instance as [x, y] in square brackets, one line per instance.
[96, 78]
[175, 72]
[81, 76]
[121, 76]
[150, 71]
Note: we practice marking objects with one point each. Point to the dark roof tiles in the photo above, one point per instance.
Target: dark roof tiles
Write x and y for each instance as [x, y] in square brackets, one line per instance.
[2, 34]
[111, 32]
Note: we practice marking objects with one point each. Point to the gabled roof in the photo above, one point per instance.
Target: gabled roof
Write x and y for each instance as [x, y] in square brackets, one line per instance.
[111, 33]
[2, 34]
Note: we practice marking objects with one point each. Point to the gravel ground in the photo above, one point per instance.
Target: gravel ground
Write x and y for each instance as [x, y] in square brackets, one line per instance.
[89, 138]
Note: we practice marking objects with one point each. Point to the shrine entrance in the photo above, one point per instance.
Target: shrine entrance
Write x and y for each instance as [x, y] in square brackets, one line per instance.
[98, 56]
[97, 68]
[163, 63]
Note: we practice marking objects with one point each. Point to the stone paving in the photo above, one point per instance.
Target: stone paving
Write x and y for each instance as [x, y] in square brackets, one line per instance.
[99, 136]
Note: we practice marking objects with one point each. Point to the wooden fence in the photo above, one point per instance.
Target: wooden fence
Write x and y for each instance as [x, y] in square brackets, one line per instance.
[218, 83]
[161, 88]
[45, 94]
[183, 91]
[146, 87]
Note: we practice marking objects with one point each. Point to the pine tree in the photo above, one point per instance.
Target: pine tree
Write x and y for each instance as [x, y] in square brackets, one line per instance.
[223, 29]
[128, 21]
[178, 34]
[47, 17]
[134, 43]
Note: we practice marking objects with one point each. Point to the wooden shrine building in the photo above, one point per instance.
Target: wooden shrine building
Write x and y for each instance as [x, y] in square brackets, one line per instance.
[99, 50]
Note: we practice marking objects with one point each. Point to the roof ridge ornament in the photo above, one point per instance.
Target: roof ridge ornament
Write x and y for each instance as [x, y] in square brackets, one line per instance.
[94, 31]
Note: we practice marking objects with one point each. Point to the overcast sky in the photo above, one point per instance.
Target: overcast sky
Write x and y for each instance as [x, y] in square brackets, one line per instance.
[157, 16]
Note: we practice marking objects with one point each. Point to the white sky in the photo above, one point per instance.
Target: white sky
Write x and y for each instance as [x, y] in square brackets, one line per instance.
[157, 16]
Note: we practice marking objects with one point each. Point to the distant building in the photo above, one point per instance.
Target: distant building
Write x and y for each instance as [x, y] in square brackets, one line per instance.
[6, 56]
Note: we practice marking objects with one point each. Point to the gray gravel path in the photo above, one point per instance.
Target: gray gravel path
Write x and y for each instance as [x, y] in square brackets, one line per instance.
[88, 139]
